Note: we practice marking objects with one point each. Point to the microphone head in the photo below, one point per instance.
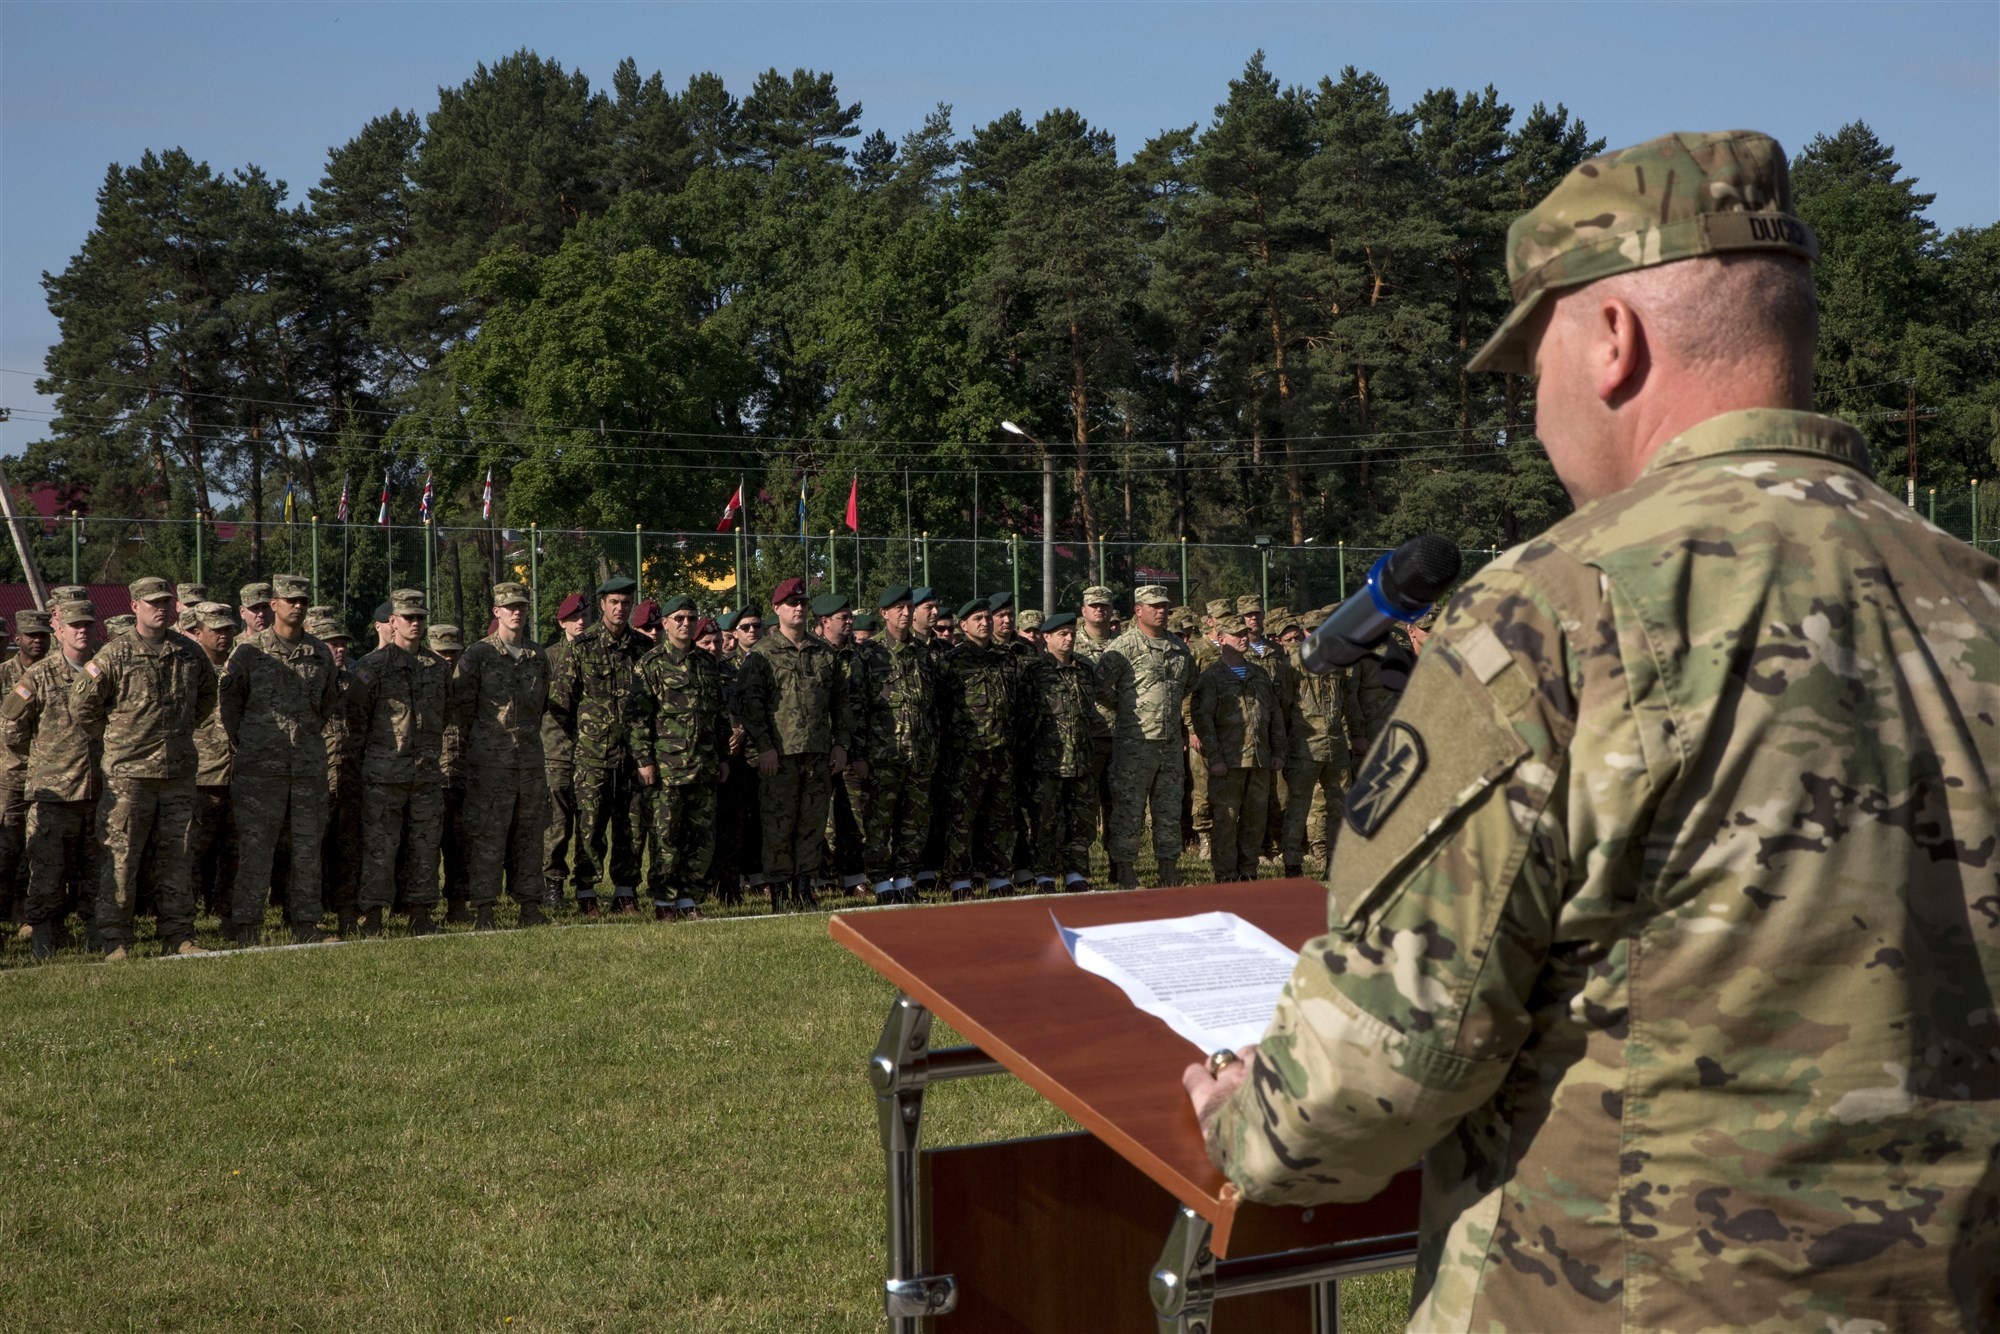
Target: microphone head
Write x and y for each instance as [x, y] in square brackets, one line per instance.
[1422, 569]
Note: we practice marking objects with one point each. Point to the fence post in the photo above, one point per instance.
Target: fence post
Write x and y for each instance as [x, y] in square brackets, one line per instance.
[1975, 517]
[1014, 563]
[1264, 578]
[1342, 566]
[315, 542]
[832, 563]
[638, 565]
[1184, 582]
[1934, 507]
[927, 558]
[76, 553]
[198, 578]
[534, 583]
[430, 589]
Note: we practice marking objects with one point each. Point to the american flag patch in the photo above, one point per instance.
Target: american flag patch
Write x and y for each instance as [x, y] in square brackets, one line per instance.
[24, 690]
[94, 670]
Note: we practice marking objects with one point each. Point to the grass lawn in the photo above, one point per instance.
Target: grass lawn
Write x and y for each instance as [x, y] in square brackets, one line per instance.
[627, 1126]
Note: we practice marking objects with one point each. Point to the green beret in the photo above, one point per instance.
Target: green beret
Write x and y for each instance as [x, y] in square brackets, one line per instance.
[867, 620]
[893, 594]
[617, 583]
[921, 594]
[674, 604]
[1001, 601]
[830, 604]
[1062, 620]
[727, 621]
[978, 606]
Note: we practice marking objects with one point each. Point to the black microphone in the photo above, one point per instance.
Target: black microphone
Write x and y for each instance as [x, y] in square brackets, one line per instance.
[1400, 588]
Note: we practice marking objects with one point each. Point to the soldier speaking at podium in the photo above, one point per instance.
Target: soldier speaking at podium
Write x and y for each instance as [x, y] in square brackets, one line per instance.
[1666, 920]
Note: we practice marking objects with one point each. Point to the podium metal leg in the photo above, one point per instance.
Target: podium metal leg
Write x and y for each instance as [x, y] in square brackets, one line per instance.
[1326, 1307]
[899, 1070]
[1183, 1282]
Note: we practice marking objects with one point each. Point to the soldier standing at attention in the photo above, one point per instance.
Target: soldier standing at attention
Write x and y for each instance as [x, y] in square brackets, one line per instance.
[1663, 929]
[446, 640]
[397, 706]
[797, 711]
[739, 835]
[31, 633]
[924, 613]
[981, 689]
[62, 777]
[255, 606]
[1065, 689]
[340, 847]
[1094, 634]
[1323, 724]
[680, 745]
[186, 598]
[1200, 819]
[588, 695]
[833, 619]
[498, 695]
[895, 715]
[144, 695]
[212, 836]
[277, 690]
[1242, 733]
[1266, 654]
[559, 765]
[1021, 653]
[1147, 673]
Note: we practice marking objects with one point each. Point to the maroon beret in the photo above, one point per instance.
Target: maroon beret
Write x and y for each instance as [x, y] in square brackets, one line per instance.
[785, 592]
[647, 616]
[571, 606]
[706, 626]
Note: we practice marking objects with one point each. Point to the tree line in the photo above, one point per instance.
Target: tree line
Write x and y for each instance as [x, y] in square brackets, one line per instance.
[620, 301]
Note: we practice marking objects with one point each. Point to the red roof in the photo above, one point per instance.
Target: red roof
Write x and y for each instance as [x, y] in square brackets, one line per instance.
[111, 599]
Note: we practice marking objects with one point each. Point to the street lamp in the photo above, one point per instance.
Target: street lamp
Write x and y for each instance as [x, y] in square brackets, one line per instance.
[1048, 518]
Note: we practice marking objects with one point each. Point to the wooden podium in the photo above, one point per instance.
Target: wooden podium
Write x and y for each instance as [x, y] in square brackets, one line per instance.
[1040, 1235]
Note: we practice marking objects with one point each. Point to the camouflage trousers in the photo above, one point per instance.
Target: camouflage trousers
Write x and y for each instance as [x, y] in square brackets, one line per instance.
[1065, 823]
[503, 817]
[1200, 815]
[142, 824]
[1146, 776]
[610, 828]
[843, 827]
[1100, 777]
[212, 849]
[341, 847]
[793, 802]
[739, 825]
[451, 844]
[1238, 803]
[1312, 810]
[1027, 806]
[894, 807]
[13, 843]
[271, 808]
[62, 852]
[559, 831]
[682, 819]
[978, 793]
[402, 825]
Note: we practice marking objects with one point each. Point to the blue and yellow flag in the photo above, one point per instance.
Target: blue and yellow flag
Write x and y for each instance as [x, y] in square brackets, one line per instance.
[291, 503]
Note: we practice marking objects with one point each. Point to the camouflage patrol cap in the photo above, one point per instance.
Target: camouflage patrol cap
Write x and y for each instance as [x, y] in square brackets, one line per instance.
[445, 639]
[1232, 624]
[1675, 197]
[150, 589]
[1181, 620]
[408, 603]
[1097, 595]
[508, 593]
[1248, 603]
[68, 593]
[1215, 607]
[327, 628]
[215, 616]
[254, 595]
[1151, 595]
[76, 611]
[191, 593]
[31, 622]
[291, 587]
[120, 623]
[321, 611]
[1031, 619]
[1280, 623]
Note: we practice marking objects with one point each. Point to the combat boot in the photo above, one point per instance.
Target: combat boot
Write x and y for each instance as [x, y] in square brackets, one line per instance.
[1124, 874]
[533, 916]
[587, 907]
[458, 910]
[43, 940]
[370, 923]
[116, 954]
[1170, 874]
[187, 949]
[350, 923]
[420, 921]
[484, 920]
[552, 896]
[248, 936]
[1293, 870]
[803, 892]
[306, 933]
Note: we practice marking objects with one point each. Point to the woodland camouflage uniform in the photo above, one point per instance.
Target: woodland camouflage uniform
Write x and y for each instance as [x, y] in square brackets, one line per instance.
[795, 701]
[978, 783]
[1065, 695]
[896, 724]
[588, 696]
[1664, 926]
[559, 770]
[679, 727]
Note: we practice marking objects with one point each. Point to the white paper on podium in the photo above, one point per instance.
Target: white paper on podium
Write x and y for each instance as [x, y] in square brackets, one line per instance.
[1213, 978]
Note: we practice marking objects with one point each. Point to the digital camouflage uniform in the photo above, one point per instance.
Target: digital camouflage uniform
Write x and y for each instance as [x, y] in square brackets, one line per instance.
[14, 744]
[559, 767]
[145, 700]
[276, 696]
[1242, 727]
[212, 836]
[342, 846]
[977, 787]
[896, 718]
[1664, 924]
[1198, 819]
[61, 784]
[1065, 695]
[1322, 723]
[1090, 651]
[1147, 678]
[678, 726]
[443, 639]
[497, 700]
[588, 697]
[398, 706]
[795, 701]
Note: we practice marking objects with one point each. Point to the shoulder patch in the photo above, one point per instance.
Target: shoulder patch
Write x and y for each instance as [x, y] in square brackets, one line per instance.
[361, 674]
[24, 690]
[1392, 766]
[94, 670]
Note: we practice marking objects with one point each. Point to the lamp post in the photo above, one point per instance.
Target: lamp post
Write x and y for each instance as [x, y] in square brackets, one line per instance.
[1048, 518]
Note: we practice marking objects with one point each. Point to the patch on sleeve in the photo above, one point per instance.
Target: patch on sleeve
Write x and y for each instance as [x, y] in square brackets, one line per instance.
[1484, 654]
[1392, 766]
[94, 670]
[25, 691]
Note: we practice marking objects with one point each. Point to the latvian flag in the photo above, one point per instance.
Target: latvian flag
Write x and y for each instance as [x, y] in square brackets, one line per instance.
[424, 505]
[732, 511]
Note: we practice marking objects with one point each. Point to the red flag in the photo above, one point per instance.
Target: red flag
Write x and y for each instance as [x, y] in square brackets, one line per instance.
[854, 504]
[486, 497]
[731, 510]
[382, 517]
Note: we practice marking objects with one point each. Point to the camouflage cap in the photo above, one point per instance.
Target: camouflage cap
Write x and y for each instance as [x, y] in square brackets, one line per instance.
[68, 593]
[327, 628]
[191, 593]
[1280, 623]
[291, 587]
[1232, 624]
[253, 595]
[31, 622]
[322, 610]
[120, 623]
[150, 589]
[1248, 603]
[76, 611]
[1181, 620]
[1675, 197]
[215, 616]
[408, 603]
[1097, 595]
[1215, 607]
[1031, 619]
[511, 594]
[445, 639]
[1151, 595]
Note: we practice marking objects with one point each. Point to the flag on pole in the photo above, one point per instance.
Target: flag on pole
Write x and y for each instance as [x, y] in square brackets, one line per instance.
[486, 497]
[802, 505]
[854, 505]
[343, 497]
[291, 505]
[732, 511]
[424, 505]
[382, 517]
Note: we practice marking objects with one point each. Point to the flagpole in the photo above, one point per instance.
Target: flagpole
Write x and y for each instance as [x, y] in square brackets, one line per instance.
[742, 526]
[315, 542]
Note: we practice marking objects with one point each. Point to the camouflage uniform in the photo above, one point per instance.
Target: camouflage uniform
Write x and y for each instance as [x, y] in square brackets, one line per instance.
[739, 835]
[588, 698]
[444, 640]
[1090, 651]
[977, 785]
[895, 714]
[397, 707]
[1322, 725]
[1199, 820]
[61, 784]
[497, 701]
[276, 697]
[795, 701]
[14, 744]
[1664, 926]
[679, 728]
[212, 835]
[144, 700]
[1242, 727]
[341, 847]
[559, 768]
[1065, 695]
[1147, 678]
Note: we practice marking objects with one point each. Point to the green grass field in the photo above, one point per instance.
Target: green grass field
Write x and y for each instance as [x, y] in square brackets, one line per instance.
[627, 1126]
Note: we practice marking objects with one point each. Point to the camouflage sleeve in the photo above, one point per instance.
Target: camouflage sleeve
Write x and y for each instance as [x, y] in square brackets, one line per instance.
[21, 704]
[206, 692]
[233, 689]
[92, 690]
[639, 714]
[843, 711]
[564, 688]
[1113, 671]
[861, 688]
[1405, 1017]
[329, 691]
[1350, 709]
[1201, 715]
[465, 687]
[754, 686]
[1275, 733]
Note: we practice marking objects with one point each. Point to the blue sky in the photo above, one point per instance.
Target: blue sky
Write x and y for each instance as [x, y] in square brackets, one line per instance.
[83, 85]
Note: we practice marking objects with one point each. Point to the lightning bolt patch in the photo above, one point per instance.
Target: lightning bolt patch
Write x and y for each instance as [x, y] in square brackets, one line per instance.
[1388, 773]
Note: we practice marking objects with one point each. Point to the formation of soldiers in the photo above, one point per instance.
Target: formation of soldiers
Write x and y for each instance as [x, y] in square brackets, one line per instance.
[224, 758]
